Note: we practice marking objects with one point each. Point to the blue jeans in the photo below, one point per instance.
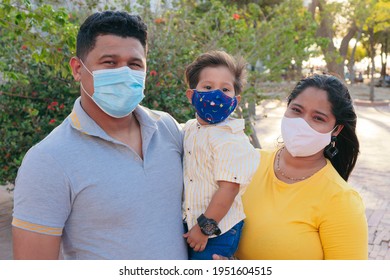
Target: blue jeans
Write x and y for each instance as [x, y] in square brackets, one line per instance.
[224, 245]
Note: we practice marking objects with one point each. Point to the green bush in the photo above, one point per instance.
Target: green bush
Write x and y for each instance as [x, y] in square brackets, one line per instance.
[29, 113]
[36, 43]
[37, 91]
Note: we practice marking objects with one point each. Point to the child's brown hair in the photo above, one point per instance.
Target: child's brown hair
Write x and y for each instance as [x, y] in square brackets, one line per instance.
[215, 59]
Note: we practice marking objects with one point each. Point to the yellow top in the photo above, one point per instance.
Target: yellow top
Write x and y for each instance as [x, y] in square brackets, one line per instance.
[321, 217]
[212, 153]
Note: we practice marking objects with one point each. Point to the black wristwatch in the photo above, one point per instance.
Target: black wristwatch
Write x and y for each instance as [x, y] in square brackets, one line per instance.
[208, 226]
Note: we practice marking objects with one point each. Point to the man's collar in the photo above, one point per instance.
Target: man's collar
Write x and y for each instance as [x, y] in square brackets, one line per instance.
[81, 121]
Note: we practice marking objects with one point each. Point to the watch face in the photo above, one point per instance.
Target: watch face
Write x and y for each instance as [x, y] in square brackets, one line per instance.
[209, 229]
[208, 226]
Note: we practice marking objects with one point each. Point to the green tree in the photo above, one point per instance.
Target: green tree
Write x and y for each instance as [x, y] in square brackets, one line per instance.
[335, 19]
[37, 42]
[273, 40]
[377, 28]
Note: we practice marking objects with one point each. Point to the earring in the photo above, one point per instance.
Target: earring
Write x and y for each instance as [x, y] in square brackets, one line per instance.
[331, 150]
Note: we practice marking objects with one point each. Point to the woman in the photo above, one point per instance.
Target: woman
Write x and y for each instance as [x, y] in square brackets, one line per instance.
[299, 205]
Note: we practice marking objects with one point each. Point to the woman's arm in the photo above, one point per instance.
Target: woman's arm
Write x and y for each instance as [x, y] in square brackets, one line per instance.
[344, 231]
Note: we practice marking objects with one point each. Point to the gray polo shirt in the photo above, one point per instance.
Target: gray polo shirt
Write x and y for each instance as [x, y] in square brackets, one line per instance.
[105, 201]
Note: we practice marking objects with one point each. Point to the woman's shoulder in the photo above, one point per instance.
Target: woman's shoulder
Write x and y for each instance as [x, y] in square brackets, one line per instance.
[267, 152]
[265, 166]
[266, 155]
[338, 187]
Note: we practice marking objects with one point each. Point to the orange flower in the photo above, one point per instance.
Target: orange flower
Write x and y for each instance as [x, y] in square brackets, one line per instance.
[159, 20]
[153, 73]
[236, 16]
[52, 121]
[24, 47]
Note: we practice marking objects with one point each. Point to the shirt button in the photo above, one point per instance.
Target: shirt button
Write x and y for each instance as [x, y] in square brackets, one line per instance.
[190, 180]
[189, 152]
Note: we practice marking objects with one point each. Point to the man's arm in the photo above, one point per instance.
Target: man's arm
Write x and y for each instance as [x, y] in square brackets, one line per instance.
[28, 245]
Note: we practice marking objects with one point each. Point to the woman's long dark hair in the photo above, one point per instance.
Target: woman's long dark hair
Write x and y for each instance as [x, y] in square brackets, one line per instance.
[342, 108]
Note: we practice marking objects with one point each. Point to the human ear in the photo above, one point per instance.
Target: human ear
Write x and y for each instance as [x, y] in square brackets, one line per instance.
[189, 94]
[75, 65]
[238, 97]
[338, 130]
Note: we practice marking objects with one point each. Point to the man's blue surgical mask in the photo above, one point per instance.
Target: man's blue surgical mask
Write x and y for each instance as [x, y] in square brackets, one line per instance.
[213, 106]
[117, 91]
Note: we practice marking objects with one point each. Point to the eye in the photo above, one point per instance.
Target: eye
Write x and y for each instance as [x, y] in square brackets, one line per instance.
[225, 90]
[295, 109]
[207, 87]
[109, 62]
[318, 118]
[135, 66]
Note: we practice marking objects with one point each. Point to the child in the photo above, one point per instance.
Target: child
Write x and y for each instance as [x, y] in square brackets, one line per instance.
[219, 160]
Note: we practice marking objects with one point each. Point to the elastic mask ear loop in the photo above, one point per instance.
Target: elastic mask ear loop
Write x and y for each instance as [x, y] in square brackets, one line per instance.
[86, 67]
[82, 87]
[81, 83]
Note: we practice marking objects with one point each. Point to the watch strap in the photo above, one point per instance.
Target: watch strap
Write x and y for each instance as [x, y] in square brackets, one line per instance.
[205, 222]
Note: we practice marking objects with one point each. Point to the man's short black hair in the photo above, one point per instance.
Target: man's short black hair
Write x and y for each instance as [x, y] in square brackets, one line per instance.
[110, 23]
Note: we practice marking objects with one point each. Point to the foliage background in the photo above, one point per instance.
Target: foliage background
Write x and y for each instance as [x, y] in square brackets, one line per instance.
[37, 39]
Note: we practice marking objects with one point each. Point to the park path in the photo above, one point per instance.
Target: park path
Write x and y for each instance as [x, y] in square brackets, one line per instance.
[6, 205]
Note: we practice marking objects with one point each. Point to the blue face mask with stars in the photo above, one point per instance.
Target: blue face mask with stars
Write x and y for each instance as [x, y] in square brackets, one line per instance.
[213, 106]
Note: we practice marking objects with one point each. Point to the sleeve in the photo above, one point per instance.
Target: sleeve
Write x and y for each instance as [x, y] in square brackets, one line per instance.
[42, 195]
[236, 160]
[175, 129]
[344, 231]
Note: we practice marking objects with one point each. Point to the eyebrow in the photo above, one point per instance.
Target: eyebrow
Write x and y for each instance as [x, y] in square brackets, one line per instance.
[116, 56]
[108, 56]
[224, 83]
[316, 111]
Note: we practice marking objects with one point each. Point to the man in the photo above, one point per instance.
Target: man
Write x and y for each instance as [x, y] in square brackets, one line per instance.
[107, 182]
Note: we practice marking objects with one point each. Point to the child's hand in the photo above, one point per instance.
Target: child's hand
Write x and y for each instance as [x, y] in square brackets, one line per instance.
[196, 239]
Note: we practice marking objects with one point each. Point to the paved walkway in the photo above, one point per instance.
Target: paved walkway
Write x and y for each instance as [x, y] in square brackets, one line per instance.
[5, 224]
[371, 176]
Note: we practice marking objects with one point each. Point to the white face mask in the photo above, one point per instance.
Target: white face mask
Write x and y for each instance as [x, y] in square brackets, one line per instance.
[300, 139]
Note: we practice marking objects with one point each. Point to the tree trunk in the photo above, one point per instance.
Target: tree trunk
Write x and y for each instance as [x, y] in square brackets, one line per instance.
[325, 30]
[384, 60]
[253, 137]
[251, 107]
[372, 47]
[299, 70]
[351, 61]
